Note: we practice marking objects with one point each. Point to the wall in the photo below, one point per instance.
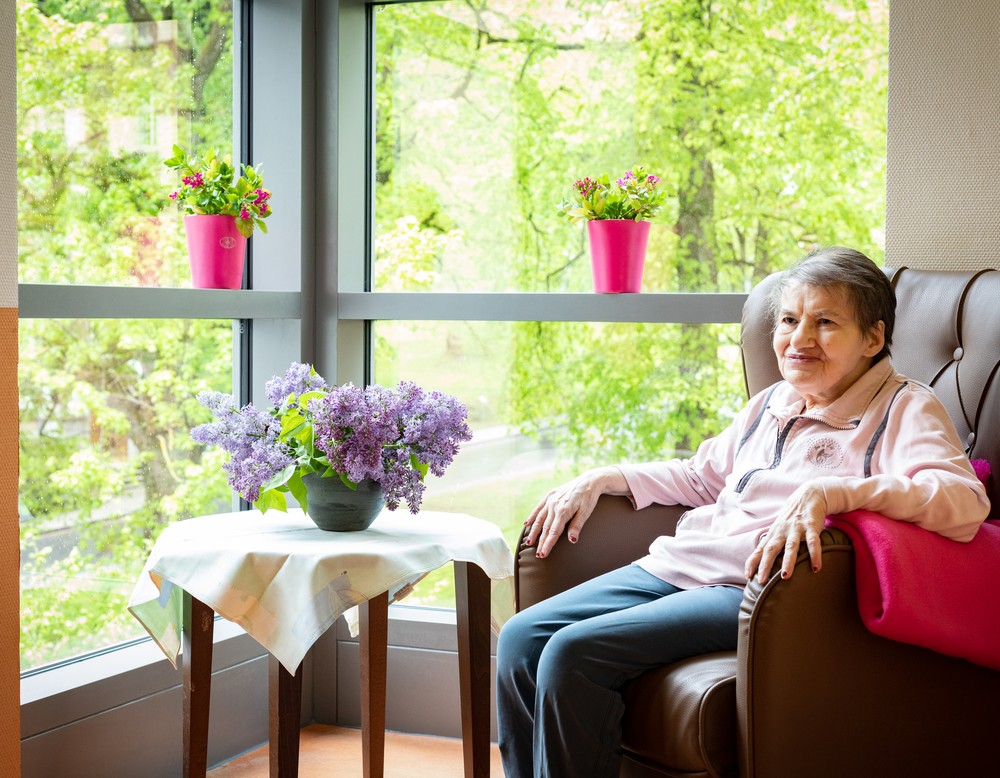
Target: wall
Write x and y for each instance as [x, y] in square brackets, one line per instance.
[944, 110]
[10, 717]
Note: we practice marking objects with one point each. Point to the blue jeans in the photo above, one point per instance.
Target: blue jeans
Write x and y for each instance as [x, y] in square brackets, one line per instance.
[561, 665]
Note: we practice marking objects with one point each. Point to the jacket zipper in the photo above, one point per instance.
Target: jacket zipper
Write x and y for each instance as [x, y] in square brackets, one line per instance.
[778, 446]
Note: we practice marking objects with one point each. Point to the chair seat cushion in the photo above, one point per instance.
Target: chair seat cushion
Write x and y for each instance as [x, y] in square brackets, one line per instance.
[681, 719]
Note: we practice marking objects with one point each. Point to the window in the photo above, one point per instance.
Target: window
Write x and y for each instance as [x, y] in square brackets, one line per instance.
[481, 117]
[107, 392]
[102, 96]
[767, 125]
[508, 465]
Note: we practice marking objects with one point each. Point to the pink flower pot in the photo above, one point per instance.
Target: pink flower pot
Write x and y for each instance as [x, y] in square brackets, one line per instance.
[617, 254]
[216, 250]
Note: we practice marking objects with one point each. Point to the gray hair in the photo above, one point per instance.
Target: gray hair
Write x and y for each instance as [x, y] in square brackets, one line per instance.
[866, 285]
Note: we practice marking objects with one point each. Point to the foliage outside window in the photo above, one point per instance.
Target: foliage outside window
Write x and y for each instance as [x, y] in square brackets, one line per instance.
[105, 87]
[765, 121]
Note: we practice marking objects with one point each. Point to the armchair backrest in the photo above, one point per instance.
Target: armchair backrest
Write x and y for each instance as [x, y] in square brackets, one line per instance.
[947, 335]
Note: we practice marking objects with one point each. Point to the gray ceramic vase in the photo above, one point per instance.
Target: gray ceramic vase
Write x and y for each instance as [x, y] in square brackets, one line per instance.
[337, 508]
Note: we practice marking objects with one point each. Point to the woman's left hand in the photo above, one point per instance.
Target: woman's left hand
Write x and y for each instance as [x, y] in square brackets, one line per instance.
[801, 519]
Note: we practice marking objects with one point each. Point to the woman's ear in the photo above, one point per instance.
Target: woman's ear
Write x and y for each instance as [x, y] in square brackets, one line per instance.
[876, 339]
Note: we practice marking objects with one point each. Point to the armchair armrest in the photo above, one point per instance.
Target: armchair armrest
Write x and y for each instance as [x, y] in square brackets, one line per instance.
[615, 535]
[811, 678]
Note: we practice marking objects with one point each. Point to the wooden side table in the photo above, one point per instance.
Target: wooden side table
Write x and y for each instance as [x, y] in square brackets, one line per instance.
[472, 588]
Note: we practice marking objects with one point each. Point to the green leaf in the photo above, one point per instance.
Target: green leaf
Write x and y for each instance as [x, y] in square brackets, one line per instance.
[348, 482]
[269, 499]
[306, 397]
[419, 466]
[299, 491]
[279, 479]
[291, 422]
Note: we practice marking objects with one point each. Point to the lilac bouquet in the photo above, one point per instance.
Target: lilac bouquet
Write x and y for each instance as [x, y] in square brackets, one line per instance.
[393, 436]
[634, 196]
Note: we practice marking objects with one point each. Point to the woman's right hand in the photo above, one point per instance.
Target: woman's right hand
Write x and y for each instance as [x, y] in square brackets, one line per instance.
[568, 507]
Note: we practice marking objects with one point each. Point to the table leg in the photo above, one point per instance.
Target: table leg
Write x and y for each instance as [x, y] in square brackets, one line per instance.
[373, 617]
[284, 708]
[196, 672]
[472, 601]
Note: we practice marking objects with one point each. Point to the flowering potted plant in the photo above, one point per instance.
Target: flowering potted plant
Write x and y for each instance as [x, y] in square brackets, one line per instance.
[222, 211]
[616, 215]
[370, 445]
[634, 196]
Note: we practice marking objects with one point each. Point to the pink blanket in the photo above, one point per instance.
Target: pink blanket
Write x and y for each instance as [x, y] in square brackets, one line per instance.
[917, 587]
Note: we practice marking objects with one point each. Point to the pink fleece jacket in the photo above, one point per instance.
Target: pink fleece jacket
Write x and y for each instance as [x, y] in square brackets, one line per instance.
[886, 445]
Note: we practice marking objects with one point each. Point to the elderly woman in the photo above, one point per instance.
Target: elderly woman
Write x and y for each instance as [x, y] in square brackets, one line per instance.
[842, 431]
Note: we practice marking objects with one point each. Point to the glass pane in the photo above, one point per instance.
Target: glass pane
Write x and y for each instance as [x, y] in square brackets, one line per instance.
[104, 89]
[765, 121]
[546, 400]
[106, 461]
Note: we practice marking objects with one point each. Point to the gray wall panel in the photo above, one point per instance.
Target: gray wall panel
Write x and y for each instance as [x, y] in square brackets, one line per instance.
[943, 195]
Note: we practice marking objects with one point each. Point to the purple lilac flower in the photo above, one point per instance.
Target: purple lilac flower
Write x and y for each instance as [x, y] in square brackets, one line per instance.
[400, 481]
[264, 460]
[434, 430]
[351, 427]
[373, 433]
[251, 438]
[298, 379]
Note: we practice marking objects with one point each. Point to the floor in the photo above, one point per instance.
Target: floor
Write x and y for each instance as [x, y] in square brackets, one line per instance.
[335, 752]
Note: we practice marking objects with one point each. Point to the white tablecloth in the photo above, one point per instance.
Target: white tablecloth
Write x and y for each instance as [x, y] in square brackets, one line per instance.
[286, 582]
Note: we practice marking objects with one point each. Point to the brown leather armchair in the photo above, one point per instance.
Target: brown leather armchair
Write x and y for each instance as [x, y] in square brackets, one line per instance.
[810, 692]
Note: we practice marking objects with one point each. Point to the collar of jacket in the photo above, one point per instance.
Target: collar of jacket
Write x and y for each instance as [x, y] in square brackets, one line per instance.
[844, 412]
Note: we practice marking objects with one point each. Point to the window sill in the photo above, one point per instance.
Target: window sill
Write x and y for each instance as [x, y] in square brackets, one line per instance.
[59, 301]
[692, 308]
[75, 690]
[78, 689]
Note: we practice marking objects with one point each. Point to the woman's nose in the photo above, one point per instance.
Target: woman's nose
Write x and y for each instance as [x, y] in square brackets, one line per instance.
[802, 335]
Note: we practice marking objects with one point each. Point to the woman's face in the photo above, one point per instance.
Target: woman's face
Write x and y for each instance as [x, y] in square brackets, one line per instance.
[820, 346]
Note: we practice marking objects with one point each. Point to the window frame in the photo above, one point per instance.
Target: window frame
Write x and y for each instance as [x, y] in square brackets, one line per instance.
[244, 307]
[120, 691]
[356, 303]
[358, 308]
